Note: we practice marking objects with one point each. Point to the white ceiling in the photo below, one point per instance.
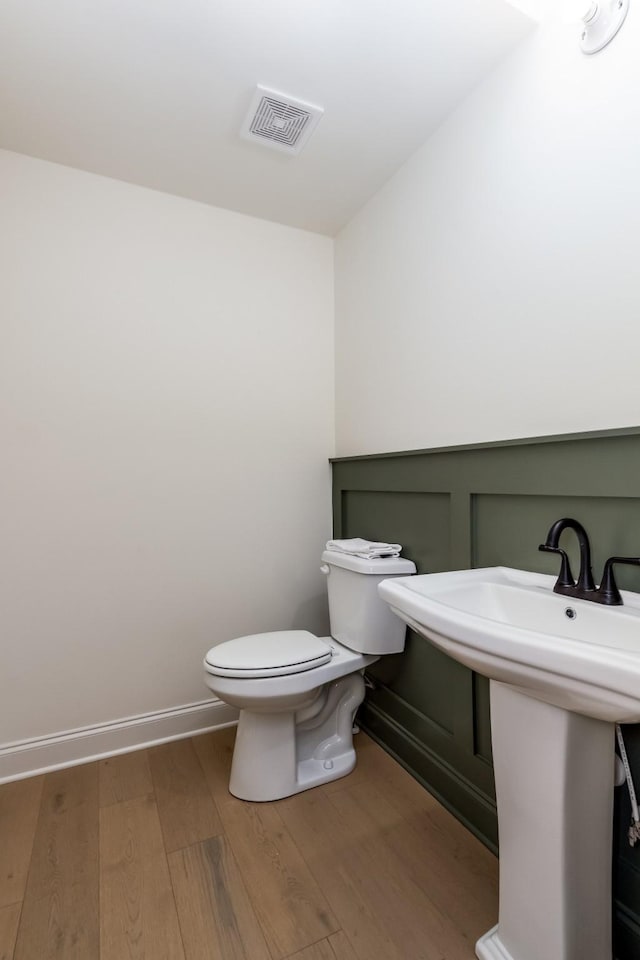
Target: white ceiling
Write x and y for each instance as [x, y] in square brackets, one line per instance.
[154, 91]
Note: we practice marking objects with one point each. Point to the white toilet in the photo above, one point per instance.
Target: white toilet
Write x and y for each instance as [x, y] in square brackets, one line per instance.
[298, 693]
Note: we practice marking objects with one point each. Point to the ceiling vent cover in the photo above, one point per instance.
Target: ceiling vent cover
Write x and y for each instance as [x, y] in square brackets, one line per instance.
[279, 121]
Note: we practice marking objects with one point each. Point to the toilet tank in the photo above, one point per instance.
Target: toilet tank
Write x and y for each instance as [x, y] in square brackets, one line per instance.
[359, 618]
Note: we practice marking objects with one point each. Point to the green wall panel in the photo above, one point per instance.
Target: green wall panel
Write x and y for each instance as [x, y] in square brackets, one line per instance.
[420, 521]
[481, 718]
[508, 529]
[487, 505]
[422, 674]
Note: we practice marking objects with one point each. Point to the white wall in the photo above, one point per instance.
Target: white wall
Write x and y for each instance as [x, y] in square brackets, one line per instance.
[165, 421]
[492, 288]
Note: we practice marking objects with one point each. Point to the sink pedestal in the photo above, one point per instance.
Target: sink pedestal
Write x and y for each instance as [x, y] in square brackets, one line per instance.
[554, 785]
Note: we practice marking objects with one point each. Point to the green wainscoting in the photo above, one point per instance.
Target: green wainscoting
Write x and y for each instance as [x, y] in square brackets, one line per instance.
[478, 506]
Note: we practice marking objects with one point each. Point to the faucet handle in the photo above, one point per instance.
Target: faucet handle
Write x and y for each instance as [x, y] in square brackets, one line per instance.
[608, 590]
[565, 577]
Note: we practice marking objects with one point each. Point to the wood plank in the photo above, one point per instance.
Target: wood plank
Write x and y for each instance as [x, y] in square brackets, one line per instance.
[341, 947]
[125, 777]
[426, 892]
[373, 764]
[60, 912]
[291, 908]
[335, 947]
[19, 807]
[384, 910]
[215, 751]
[426, 860]
[434, 823]
[187, 811]
[317, 951]
[467, 866]
[138, 918]
[216, 917]
[429, 818]
[9, 918]
[348, 872]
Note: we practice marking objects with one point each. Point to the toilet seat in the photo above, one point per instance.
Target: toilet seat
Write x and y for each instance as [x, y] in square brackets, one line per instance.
[277, 654]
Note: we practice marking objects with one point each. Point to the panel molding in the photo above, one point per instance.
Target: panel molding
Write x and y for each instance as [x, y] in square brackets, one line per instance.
[491, 444]
[461, 528]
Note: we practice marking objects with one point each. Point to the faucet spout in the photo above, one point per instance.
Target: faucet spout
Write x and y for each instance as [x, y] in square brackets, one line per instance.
[585, 584]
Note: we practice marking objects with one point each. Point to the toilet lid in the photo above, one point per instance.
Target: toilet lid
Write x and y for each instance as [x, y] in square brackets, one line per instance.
[268, 654]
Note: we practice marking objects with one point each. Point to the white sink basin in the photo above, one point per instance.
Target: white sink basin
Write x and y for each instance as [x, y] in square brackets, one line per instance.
[562, 672]
[510, 626]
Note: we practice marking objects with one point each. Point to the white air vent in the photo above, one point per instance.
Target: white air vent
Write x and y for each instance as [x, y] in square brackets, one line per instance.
[277, 120]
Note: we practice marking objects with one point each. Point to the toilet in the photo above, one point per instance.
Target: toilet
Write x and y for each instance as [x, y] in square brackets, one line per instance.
[298, 693]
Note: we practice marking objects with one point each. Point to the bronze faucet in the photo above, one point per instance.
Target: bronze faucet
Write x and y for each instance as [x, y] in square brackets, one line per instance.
[585, 588]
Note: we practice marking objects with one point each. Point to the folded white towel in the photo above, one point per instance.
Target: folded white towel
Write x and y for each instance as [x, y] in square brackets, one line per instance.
[367, 549]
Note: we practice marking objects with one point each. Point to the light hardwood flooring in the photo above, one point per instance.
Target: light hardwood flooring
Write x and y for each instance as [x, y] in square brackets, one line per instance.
[148, 857]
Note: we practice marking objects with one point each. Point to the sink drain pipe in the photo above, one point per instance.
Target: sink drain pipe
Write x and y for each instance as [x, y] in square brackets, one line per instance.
[634, 830]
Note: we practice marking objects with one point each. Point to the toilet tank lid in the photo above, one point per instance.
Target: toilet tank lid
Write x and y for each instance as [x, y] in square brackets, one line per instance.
[381, 566]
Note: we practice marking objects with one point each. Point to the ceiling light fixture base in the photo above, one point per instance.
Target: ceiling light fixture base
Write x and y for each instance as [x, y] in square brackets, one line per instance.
[601, 23]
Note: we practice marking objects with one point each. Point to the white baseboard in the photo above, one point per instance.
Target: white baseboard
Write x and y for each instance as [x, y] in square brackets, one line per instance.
[40, 755]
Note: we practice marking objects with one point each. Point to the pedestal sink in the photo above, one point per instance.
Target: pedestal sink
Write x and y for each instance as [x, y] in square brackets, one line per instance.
[563, 671]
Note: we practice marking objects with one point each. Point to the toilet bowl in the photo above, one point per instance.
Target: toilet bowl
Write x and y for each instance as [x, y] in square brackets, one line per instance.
[298, 693]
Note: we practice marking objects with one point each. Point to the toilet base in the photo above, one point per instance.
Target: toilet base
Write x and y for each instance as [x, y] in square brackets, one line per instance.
[276, 755]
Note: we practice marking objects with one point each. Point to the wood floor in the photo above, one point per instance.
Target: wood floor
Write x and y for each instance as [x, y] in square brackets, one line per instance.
[148, 857]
